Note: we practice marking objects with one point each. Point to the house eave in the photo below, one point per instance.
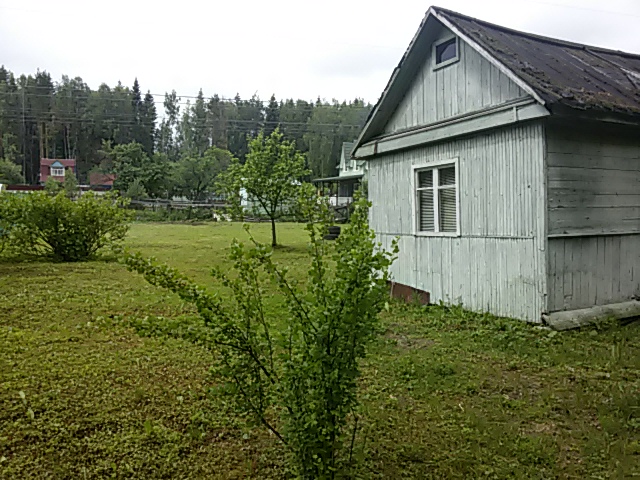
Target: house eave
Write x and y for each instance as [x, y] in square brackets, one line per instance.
[494, 117]
[564, 112]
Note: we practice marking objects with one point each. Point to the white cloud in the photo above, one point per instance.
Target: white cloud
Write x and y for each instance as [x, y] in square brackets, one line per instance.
[333, 49]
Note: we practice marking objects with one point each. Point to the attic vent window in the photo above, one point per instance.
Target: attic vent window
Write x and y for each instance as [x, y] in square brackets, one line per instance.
[446, 53]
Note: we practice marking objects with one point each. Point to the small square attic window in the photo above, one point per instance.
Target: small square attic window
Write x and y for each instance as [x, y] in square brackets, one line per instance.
[445, 52]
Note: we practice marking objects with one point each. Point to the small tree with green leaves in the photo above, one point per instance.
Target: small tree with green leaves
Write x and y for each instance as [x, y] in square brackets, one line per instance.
[53, 186]
[298, 381]
[136, 191]
[70, 183]
[271, 177]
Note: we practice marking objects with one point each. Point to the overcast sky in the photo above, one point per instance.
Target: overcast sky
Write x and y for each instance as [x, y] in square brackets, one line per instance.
[333, 49]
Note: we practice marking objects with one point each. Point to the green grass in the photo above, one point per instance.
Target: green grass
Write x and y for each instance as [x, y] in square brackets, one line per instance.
[446, 393]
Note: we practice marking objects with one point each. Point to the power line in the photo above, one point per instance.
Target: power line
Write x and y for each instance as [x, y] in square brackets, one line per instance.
[56, 93]
[128, 119]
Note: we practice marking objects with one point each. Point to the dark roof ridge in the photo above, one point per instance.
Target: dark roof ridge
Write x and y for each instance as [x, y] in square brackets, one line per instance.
[543, 38]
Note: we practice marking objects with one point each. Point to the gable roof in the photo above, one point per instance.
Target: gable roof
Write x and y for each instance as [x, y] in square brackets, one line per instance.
[62, 162]
[105, 179]
[561, 75]
[347, 148]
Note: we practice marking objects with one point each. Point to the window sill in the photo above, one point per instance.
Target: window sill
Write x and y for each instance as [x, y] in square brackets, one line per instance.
[446, 64]
[436, 234]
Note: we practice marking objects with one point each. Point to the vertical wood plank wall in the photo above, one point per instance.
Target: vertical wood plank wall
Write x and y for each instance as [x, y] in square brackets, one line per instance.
[468, 85]
[594, 215]
[498, 264]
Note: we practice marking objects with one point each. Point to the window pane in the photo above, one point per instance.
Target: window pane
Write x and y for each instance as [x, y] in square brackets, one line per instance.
[447, 176]
[447, 207]
[426, 214]
[425, 179]
[446, 51]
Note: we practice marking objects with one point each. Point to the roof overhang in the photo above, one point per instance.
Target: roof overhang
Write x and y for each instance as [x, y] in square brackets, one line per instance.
[344, 178]
[486, 119]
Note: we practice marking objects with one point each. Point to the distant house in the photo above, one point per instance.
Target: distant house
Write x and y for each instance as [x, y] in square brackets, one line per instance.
[351, 174]
[348, 166]
[55, 168]
[102, 181]
[509, 166]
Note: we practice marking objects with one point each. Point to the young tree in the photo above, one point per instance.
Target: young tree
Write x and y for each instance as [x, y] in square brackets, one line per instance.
[195, 176]
[70, 183]
[299, 382]
[52, 186]
[271, 176]
[136, 191]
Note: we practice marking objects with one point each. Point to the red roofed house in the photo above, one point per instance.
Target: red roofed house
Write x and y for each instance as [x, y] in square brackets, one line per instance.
[51, 167]
[102, 180]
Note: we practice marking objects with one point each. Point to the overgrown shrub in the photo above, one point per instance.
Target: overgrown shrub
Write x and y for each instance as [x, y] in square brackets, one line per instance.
[298, 381]
[56, 226]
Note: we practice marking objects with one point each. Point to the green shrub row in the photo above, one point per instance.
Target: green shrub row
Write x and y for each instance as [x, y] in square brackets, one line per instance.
[59, 227]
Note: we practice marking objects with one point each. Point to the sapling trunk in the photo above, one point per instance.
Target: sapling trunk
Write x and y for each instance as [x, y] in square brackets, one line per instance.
[273, 232]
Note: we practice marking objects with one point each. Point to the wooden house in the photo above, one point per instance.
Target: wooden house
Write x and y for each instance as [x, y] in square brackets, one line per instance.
[508, 164]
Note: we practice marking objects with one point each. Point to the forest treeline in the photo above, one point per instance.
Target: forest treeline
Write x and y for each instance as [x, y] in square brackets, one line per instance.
[43, 118]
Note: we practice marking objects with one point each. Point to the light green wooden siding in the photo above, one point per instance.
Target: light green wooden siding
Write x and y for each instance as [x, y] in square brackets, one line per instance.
[594, 215]
[469, 85]
[498, 262]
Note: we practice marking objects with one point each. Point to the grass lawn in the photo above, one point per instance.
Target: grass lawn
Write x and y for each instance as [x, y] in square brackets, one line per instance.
[446, 393]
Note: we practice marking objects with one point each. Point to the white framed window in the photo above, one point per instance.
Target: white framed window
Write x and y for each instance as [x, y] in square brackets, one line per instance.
[57, 171]
[446, 52]
[436, 199]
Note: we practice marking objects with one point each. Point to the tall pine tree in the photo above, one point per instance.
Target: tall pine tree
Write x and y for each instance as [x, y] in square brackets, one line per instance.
[148, 123]
[272, 116]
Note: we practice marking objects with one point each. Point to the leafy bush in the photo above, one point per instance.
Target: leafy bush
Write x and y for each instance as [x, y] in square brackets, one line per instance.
[61, 228]
[299, 382]
[53, 186]
[175, 215]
